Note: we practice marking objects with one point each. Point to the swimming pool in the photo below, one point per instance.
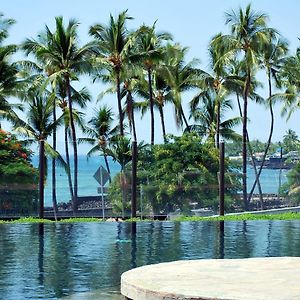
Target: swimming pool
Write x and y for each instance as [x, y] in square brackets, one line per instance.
[85, 260]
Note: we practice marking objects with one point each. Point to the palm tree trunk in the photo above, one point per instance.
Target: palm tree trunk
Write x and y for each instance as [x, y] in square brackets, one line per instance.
[269, 138]
[162, 120]
[244, 146]
[74, 142]
[184, 118]
[54, 200]
[151, 102]
[120, 103]
[132, 116]
[251, 154]
[41, 177]
[68, 163]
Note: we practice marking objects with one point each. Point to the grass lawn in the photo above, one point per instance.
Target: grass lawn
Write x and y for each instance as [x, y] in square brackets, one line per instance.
[242, 217]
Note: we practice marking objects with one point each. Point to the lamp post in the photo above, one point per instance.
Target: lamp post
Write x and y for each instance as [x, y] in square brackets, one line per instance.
[134, 180]
[222, 178]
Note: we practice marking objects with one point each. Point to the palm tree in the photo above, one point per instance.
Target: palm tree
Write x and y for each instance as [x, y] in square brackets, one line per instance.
[249, 34]
[289, 77]
[161, 96]
[120, 151]
[64, 60]
[38, 127]
[272, 59]
[80, 98]
[9, 84]
[208, 116]
[150, 51]
[113, 44]
[100, 132]
[180, 77]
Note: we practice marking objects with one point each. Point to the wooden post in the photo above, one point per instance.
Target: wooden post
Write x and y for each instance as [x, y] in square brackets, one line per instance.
[221, 178]
[133, 181]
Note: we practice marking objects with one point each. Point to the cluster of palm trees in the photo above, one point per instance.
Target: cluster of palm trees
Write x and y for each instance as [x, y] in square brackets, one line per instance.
[146, 70]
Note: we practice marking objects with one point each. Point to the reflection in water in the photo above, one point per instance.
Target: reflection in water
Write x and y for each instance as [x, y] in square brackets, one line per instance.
[85, 260]
[133, 245]
[41, 254]
[221, 239]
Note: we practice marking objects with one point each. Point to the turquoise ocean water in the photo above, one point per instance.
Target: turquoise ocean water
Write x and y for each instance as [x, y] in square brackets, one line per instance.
[87, 185]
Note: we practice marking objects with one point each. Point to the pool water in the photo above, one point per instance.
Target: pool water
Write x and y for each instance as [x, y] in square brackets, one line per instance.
[86, 260]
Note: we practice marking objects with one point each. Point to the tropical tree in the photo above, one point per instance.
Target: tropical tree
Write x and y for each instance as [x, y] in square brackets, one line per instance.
[18, 178]
[150, 51]
[120, 151]
[64, 60]
[38, 127]
[209, 116]
[161, 96]
[289, 76]
[272, 59]
[290, 141]
[100, 131]
[249, 34]
[8, 72]
[113, 43]
[180, 77]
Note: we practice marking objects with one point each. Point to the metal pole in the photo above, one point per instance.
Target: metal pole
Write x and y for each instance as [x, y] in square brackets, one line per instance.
[134, 180]
[221, 177]
[102, 191]
[280, 173]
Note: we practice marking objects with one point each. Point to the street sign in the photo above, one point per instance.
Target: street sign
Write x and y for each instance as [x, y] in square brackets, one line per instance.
[101, 175]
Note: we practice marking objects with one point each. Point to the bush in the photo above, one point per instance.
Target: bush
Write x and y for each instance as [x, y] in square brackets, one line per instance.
[18, 178]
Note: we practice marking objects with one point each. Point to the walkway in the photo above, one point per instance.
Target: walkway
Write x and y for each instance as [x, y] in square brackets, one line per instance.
[234, 279]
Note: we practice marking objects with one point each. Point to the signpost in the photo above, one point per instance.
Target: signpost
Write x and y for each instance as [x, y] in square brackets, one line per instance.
[102, 176]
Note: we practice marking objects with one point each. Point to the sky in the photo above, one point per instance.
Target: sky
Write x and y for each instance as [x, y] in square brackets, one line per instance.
[192, 23]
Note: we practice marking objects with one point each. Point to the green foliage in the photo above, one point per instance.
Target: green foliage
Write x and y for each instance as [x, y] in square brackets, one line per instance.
[14, 161]
[181, 171]
[292, 187]
[120, 187]
[17, 177]
[37, 220]
[235, 148]
[290, 141]
[245, 217]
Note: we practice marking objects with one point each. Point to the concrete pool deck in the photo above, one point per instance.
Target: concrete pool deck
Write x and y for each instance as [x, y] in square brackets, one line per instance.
[275, 278]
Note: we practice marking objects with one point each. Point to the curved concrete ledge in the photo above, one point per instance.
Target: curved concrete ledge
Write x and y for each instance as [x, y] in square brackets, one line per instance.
[234, 279]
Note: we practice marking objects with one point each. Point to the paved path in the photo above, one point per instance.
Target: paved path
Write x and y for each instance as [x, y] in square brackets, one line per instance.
[234, 279]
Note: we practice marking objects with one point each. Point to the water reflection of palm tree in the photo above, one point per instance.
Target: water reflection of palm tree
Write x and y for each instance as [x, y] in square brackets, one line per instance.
[41, 254]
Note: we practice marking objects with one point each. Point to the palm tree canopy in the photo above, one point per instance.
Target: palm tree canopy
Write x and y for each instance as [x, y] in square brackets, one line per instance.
[249, 34]
[59, 51]
[203, 111]
[114, 39]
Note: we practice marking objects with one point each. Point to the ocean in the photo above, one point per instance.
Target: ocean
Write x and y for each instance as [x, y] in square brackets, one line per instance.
[87, 184]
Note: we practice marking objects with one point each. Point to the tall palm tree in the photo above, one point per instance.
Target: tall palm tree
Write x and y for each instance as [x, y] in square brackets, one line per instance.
[161, 96]
[150, 51]
[81, 98]
[272, 59]
[63, 59]
[249, 34]
[38, 127]
[113, 44]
